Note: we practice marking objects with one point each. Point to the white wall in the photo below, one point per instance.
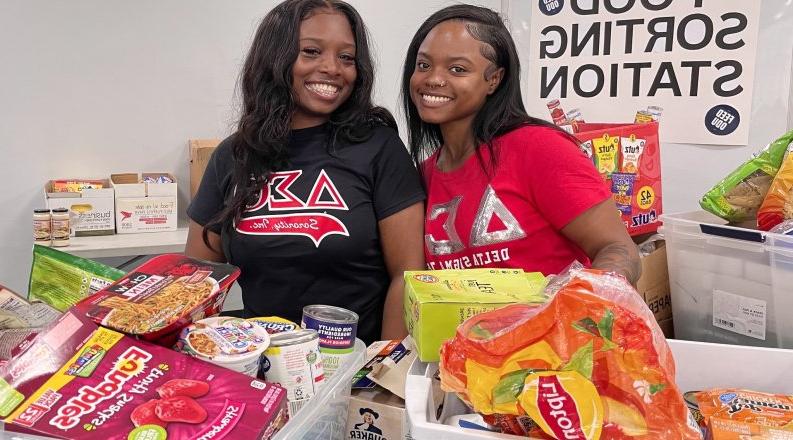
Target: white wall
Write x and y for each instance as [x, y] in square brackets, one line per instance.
[688, 171]
[93, 87]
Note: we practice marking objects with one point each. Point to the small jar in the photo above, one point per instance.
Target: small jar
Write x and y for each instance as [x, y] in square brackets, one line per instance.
[42, 227]
[61, 227]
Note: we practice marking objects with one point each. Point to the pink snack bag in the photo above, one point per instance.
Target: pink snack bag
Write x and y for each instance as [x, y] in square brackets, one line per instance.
[113, 387]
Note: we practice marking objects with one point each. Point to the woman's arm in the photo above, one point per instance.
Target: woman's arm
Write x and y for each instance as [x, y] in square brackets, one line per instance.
[196, 248]
[401, 236]
[600, 232]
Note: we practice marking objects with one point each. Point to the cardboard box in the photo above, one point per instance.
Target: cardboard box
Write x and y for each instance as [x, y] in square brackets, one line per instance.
[144, 207]
[91, 210]
[200, 152]
[377, 401]
[438, 301]
[654, 287]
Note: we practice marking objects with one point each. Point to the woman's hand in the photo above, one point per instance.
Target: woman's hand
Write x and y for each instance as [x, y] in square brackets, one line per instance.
[402, 239]
[600, 232]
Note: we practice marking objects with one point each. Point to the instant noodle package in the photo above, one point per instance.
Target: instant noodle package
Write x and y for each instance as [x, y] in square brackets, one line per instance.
[159, 298]
[590, 364]
[111, 386]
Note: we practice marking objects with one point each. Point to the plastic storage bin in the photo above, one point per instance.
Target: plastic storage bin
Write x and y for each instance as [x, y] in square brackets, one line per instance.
[324, 417]
[729, 284]
[699, 366]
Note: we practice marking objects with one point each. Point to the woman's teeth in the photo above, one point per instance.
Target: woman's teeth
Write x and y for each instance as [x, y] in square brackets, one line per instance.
[323, 89]
[435, 99]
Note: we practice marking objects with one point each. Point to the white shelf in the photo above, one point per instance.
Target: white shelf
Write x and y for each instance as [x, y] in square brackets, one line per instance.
[122, 245]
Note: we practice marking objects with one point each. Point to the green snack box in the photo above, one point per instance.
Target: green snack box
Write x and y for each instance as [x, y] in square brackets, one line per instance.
[437, 301]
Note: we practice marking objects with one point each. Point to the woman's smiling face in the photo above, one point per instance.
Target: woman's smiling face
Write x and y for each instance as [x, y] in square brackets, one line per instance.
[451, 79]
[324, 72]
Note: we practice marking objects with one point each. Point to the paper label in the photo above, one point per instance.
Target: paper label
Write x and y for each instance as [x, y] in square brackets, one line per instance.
[739, 314]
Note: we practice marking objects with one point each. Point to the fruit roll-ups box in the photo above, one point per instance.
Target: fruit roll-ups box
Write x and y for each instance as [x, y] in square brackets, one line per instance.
[162, 296]
[116, 387]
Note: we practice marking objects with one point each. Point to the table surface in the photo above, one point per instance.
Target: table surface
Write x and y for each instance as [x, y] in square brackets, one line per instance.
[122, 245]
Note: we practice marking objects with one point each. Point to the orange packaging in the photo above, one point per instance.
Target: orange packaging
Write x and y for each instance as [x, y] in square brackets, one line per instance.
[590, 364]
[742, 415]
[778, 203]
[63, 185]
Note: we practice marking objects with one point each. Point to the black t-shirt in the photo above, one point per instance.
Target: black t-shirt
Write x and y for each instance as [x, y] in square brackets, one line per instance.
[313, 238]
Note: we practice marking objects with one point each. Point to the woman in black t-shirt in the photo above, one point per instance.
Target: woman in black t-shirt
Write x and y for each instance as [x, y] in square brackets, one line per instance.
[314, 197]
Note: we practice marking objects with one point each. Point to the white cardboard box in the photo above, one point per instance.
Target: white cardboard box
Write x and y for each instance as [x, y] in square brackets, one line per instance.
[91, 211]
[700, 366]
[144, 207]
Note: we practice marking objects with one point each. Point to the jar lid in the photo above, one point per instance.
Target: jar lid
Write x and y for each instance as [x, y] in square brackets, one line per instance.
[60, 210]
[41, 211]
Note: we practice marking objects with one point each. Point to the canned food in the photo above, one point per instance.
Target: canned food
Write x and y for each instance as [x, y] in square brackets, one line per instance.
[293, 360]
[274, 324]
[229, 342]
[337, 328]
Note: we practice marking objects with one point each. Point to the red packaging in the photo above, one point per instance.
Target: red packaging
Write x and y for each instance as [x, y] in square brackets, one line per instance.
[159, 298]
[638, 155]
[114, 387]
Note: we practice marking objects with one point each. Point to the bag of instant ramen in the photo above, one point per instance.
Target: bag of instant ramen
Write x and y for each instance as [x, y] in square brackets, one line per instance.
[778, 203]
[738, 197]
[590, 364]
[61, 280]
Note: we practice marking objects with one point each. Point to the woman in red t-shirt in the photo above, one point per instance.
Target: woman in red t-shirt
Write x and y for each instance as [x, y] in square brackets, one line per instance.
[504, 189]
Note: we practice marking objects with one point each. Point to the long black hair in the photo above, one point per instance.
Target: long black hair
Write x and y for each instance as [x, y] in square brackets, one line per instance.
[260, 145]
[503, 111]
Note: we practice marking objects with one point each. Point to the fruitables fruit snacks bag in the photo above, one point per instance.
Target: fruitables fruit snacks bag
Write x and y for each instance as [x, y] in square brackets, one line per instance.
[590, 364]
[113, 387]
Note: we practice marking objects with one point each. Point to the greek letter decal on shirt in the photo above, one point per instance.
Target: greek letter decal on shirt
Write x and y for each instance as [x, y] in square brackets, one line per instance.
[489, 206]
[277, 196]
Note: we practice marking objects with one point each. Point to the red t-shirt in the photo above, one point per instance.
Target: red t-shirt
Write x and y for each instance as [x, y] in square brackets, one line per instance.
[541, 183]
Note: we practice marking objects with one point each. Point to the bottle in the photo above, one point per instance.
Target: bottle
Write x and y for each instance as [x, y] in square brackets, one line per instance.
[61, 227]
[42, 227]
[557, 114]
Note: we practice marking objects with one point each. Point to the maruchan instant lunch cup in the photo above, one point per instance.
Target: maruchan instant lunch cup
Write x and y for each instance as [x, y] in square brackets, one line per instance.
[229, 342]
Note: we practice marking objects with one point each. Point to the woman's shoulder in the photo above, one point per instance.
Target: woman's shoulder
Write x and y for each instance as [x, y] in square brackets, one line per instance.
[536, 133]
[223, 156]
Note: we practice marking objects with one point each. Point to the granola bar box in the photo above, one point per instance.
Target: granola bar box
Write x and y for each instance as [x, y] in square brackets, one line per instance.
[159, 298]
[114, 387]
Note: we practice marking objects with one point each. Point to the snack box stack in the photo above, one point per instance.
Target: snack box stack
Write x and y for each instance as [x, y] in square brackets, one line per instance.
[79, 381]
